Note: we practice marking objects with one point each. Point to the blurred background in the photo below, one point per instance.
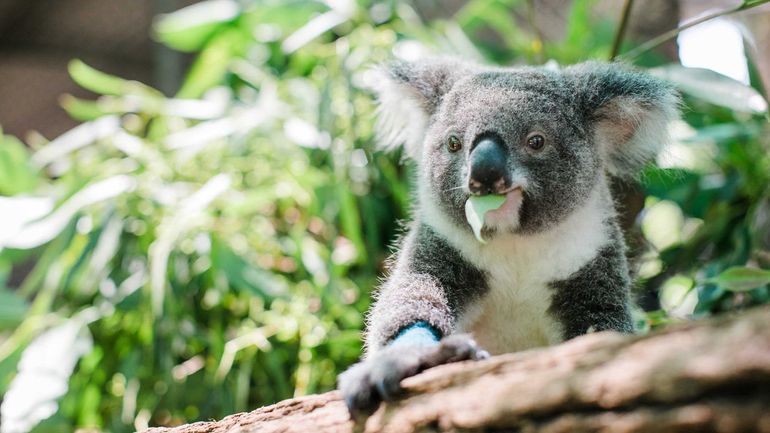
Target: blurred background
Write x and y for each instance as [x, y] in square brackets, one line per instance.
[193, 215]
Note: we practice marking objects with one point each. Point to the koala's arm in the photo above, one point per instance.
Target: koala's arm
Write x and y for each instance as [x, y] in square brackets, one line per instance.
[429, 284]
[405, 300]
[411, 323]
[596, 298]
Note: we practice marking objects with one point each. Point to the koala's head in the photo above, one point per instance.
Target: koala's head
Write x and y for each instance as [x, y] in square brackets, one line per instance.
[544, 138]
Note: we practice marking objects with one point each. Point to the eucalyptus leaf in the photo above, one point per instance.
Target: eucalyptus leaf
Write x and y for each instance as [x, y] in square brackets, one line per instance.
[741, 279]
[477, 207]
[713, 87]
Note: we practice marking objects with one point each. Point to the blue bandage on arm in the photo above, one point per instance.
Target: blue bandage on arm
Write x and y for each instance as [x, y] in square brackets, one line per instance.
[420, 334]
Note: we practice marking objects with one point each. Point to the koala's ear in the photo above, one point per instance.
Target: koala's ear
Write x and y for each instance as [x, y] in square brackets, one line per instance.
[628, 111]
[408, 94]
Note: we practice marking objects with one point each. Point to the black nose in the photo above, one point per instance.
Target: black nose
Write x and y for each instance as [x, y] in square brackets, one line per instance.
[488, 167]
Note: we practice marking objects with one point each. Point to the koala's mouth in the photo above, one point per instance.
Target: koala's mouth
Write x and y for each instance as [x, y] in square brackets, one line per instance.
[507, 215]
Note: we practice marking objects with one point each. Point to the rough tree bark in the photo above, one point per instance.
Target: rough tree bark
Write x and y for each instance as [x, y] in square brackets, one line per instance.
[707, 376]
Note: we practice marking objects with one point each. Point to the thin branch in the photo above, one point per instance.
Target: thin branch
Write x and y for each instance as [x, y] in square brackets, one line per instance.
[621, 29]
[536, 30]
[658, 40]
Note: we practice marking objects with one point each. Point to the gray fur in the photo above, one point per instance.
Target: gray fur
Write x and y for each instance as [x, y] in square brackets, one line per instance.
[430, 282]
[597, 296]
[598, 120]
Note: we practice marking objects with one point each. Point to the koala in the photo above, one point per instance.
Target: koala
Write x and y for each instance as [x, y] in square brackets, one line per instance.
[553, 266]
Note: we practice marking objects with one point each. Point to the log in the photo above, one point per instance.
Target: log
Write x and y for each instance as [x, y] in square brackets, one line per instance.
[705, 376]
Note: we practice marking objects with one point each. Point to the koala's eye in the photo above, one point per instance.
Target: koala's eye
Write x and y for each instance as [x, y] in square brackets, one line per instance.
[453, 143]
[535, 141]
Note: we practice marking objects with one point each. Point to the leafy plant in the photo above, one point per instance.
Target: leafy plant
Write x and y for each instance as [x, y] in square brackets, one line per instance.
[214, 251]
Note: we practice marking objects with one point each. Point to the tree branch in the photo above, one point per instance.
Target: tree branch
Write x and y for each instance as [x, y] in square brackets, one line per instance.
[708, 376]
[627, 5]
[658, 40]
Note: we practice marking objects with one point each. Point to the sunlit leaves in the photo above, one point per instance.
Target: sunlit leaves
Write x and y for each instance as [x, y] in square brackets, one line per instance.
[18, 212]
[38, 232]
[245, 276]
[213, 62]
[714, 88]
[76, 138]
[189, 29]
[260, 235]
[316, 27]
[43, 375]
[187, 213]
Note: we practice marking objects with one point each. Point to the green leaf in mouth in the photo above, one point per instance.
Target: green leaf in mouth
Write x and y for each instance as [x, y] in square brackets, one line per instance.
[477, 207]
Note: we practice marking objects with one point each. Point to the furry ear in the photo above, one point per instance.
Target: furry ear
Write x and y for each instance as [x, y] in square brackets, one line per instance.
[408, 94]
[628, 111]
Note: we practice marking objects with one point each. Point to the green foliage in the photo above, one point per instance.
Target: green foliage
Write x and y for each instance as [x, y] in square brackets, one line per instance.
[17, 175]
[741, 279]
[219, 247]
[12, 309]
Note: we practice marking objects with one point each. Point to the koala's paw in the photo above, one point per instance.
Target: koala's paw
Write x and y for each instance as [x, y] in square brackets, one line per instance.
[378, 378]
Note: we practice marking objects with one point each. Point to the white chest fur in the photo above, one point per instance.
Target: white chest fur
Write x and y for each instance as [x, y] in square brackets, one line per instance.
[514, 315]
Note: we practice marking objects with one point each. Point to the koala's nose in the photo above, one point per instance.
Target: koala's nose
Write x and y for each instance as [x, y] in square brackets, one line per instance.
[488, 167]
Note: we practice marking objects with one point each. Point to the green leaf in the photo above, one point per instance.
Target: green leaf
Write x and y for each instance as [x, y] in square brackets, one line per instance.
[80, 109]
[190, 28]
[12, 309]
[477, 207]
[94, 80]
[713, 88]
[17, 173]
[751, 3]
[741, 279]
[106, 84]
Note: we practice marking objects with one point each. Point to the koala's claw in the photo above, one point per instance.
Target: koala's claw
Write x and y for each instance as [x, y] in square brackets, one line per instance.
[378, 378]
[455, 348]
[353, 385]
